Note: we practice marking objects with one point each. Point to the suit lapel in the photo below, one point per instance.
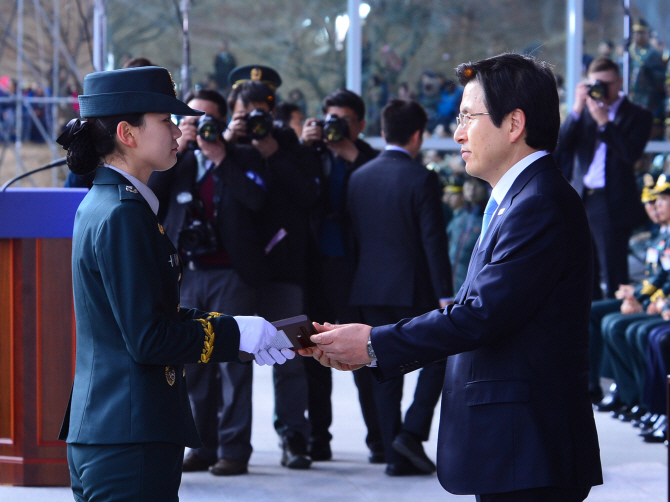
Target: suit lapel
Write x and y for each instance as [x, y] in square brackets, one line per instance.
[521, 181]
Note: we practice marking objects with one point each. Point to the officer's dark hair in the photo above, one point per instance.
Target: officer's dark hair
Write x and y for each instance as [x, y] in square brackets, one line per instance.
[603, 63]
[209, 95]
[401, 118]
[252, 91]
[344, 98]
[139, 62]
[285, 110]
[513, 81]
[96, 141]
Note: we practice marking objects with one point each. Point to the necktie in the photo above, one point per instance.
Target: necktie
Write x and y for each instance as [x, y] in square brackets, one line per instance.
[490, 210]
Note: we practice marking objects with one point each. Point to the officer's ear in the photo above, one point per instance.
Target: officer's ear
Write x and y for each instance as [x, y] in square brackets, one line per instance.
[124, 132]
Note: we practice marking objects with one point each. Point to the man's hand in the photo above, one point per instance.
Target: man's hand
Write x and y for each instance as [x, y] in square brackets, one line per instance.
[345, 149]
[237, 128]
[345, 343]
[631, 306]
[189, 132]
[311, 132]
[624, 291]
[581, 94]
[598, 111]
[214, 151]
[318, 354]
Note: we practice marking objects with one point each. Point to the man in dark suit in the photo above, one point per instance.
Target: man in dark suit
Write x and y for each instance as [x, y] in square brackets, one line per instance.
[394, 204]
[331, 264]
[606, 134]
[517, 423]
[214, 191]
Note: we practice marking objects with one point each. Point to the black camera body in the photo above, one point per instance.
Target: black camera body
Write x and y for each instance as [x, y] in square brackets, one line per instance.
[210, 128]
[598, 90]
[334, 128]
[259, 123]
[197, 237]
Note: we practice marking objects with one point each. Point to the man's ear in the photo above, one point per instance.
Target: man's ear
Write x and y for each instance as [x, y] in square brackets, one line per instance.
[124, 132]
[517, 125]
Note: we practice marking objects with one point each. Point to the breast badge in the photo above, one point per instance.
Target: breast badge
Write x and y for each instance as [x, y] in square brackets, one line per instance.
[170, 375]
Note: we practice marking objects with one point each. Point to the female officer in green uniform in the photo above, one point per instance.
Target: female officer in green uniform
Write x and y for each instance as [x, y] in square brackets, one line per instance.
[129, 418]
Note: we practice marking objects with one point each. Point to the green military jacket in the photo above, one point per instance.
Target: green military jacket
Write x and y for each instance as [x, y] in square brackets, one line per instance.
[133, 337]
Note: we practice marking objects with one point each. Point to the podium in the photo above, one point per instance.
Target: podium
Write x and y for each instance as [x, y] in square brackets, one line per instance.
[37, 332]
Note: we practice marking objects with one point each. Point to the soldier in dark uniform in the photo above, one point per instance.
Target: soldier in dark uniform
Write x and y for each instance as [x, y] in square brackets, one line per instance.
[129, 419]
[464, 228]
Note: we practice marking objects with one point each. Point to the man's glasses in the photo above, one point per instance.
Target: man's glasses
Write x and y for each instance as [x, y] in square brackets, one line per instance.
[463, 119]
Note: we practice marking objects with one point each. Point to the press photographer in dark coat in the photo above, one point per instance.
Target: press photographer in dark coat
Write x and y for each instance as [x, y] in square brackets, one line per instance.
[293, 188]
[207, 206]
[336, 139]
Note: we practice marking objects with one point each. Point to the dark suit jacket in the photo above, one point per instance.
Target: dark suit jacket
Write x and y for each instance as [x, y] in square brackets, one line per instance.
[239, 191]
[399, 229]
[132, 336]
[516, 412]
[293, 174]
[626, 138]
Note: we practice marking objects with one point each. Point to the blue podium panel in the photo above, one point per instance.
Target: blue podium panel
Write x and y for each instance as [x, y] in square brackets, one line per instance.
[27, 213]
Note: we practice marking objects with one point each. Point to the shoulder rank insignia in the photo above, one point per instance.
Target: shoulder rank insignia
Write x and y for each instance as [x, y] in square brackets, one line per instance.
[170, 375]
[162, 230]
[131, 189]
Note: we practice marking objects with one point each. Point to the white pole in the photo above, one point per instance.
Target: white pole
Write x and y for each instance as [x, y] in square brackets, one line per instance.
[573, 62]
[99, 35]
[354, 47]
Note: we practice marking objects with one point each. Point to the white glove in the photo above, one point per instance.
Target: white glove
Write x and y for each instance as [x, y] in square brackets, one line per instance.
[272, 356]
[255, 333]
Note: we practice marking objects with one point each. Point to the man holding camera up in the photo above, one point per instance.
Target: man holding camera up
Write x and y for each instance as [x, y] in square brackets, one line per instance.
[342, 152]
[292, 180]
[606, 134]
[207, 203]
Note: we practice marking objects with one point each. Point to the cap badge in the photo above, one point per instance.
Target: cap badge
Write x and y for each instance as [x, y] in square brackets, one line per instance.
[256, 73]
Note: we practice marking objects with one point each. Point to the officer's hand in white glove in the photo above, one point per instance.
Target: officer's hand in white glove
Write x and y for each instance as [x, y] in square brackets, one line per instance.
[255, 333]
[272, 356]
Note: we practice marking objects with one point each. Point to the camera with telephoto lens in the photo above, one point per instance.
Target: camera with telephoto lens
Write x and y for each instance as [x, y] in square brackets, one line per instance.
[334, 128]
[259, 123]
[598, 90]
[197, 237]
[210, 128]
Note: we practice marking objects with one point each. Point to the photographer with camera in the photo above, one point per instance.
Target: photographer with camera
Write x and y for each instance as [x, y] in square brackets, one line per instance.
[606, 134]
[293, 188]
[207, 207]
[336, 139]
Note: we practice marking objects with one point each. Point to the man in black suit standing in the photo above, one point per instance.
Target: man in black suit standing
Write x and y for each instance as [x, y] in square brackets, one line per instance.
[402, 271]
[516, 423]
[606, 134]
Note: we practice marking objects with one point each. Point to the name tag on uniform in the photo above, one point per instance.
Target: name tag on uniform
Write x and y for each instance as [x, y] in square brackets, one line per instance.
[174, 260]
[652, 255]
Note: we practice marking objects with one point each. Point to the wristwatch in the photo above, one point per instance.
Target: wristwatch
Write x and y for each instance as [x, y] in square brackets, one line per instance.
[371, 351]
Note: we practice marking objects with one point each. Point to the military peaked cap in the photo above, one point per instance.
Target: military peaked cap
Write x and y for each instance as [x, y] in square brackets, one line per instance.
[148, 89]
